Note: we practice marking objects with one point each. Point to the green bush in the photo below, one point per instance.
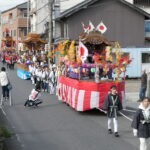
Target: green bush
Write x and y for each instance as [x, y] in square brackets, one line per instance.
[4, 134]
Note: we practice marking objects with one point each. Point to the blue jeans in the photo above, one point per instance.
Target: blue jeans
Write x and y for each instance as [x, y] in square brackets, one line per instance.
[45, 86]
[142, 92]
[5, 91]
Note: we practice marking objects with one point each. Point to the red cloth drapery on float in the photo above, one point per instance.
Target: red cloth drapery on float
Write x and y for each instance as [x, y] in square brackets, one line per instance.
[8, 59]
[83, 95]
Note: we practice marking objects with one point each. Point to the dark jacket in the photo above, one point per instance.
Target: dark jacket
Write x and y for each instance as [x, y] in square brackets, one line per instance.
[112, 105]
[138, 123]
[144, 80]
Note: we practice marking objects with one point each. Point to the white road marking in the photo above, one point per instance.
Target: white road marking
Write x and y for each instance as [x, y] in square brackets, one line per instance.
[119, 113]
[125, 116]
[3, 110]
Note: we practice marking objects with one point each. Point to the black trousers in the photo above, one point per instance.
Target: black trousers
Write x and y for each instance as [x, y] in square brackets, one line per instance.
[5, 91]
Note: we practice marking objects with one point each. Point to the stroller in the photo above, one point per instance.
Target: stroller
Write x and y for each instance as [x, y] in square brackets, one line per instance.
[33, 99]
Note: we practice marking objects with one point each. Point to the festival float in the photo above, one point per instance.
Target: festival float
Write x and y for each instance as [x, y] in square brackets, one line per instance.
[8, 46]
[89, 67]
[33, 43]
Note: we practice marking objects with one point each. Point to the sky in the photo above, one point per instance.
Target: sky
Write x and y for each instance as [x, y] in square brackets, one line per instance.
[6, 4]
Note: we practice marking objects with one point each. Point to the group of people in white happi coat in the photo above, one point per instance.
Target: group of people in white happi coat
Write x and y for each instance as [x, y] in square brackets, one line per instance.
[44, 76]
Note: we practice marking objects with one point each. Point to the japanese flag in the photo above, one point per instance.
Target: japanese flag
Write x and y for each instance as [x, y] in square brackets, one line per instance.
[83, 52]
[101, 27]
[85, 28]
[90, 27]
[7, 31]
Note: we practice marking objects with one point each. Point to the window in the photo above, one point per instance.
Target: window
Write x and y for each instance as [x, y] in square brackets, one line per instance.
[10, 15]
[145, 57]
[25, 13]
[25, 31]
[5, 19]
[14, 15]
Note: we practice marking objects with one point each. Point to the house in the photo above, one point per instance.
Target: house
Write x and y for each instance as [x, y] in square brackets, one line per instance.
[143, 4]
[14, 22]
[40, 11]
[64, 5]
[125, 22]
[39, 15]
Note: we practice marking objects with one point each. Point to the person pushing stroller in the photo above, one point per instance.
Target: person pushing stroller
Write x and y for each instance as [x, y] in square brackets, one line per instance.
[34, 97]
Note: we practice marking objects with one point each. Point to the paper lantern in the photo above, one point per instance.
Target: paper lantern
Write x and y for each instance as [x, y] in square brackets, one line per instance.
[83, 70]
[92, 69]
[77, 71]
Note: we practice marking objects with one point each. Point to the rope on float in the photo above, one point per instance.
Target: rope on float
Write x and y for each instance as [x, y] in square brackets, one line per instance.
[129, 110]
[119, 113]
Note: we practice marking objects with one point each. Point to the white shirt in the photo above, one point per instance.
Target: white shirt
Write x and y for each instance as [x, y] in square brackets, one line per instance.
[146, 111]
[34, 95]
[30, 68]
[33, 70]
[3, 78]
[43, 75]
[52, 76]
[34, 59]
[38, 74]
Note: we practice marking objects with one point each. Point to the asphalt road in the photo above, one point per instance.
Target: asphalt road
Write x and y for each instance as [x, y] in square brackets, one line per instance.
[55, 126]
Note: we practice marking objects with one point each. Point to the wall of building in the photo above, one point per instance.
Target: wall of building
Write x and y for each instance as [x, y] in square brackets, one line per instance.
[66, 4]
[32, 15]
[15, 20]
[124, 24]
[0, 31]
[42, 15]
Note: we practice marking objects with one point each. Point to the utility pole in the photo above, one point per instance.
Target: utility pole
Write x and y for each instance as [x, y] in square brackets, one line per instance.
[50, 20]
[28, 11]
[50, 5]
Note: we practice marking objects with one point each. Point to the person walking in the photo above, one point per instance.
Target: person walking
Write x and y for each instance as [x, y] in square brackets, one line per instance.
[45, 78]
[52, 81]
[141, 123]
[4, 83]
[111, 106]
[143, 85]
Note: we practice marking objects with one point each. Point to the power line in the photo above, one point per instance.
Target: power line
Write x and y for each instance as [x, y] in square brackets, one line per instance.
[42, 20]
[42, 7]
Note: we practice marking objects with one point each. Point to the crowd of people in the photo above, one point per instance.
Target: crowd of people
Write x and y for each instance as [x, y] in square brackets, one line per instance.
[42, 74]
[9, 58]
[45, 78]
